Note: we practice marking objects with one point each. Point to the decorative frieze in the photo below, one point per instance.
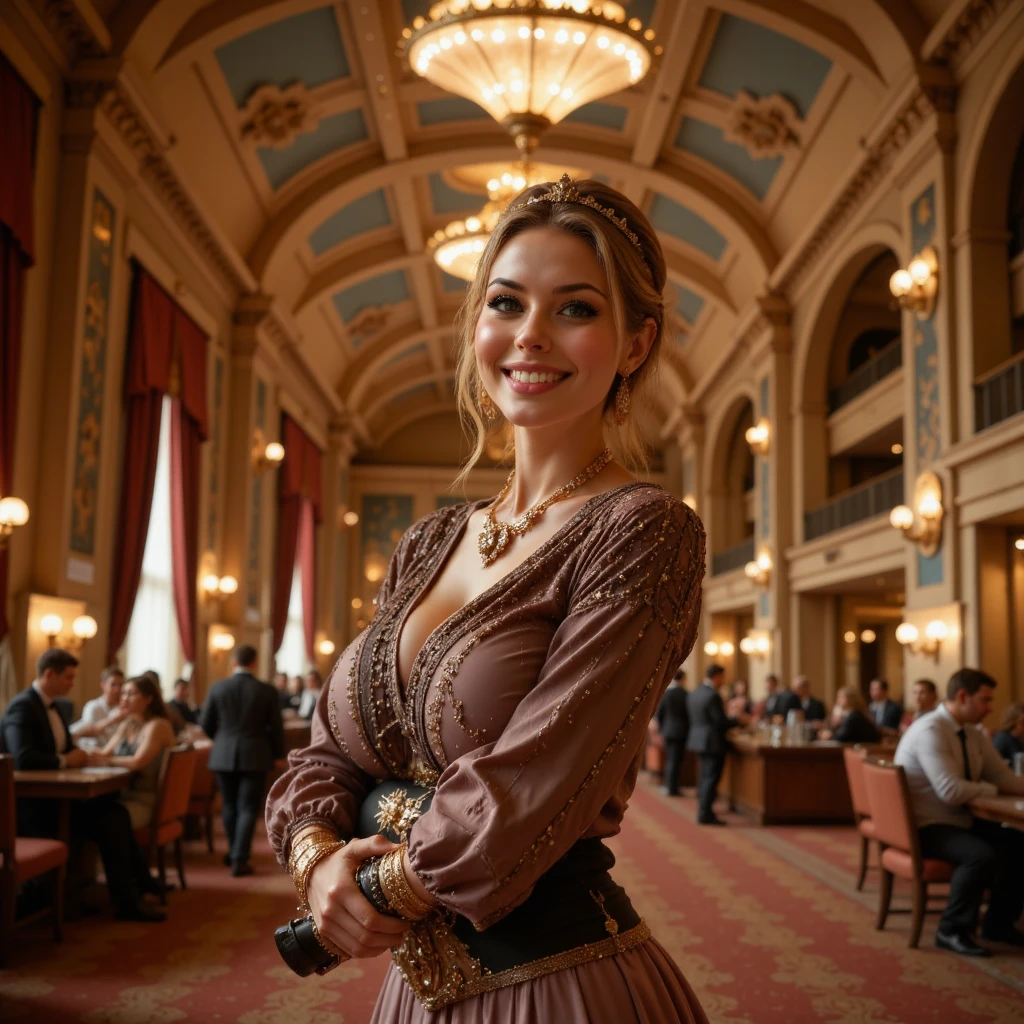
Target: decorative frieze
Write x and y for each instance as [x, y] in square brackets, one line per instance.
[964, 34]
[275, 117]
[765, 127]
[72, 32]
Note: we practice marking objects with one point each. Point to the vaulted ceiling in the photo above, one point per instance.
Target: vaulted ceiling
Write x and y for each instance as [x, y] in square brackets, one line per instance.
[327, 164]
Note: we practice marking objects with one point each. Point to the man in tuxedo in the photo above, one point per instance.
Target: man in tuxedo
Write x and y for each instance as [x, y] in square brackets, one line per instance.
[33, 732]
[673, 724]
[708, 726]
[886, 713]
[242, 716]
[813, 709]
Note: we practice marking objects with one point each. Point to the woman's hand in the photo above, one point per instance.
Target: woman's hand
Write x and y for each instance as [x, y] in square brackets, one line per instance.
[344, 916]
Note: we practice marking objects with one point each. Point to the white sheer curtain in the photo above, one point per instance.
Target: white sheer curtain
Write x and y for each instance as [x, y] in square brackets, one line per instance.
[291, 655]
[152, 641]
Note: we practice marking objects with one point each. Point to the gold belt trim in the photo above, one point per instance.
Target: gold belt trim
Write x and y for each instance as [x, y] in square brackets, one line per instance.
[440, 970]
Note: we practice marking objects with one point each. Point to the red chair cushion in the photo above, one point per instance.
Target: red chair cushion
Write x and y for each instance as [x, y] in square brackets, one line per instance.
[166, 833]
[866, 827]
[34, 857]
[902, 864]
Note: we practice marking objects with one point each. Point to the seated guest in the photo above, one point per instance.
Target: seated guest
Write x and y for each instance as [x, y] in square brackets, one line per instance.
[180, 702]
[298, 687]
[103, 714]
[926, 700]
[674, 726]
[281, 685]
[780, 702]
[885, 713]
[771, 686]
[1010, 738]
[309, 695]
[853, 726]
[739, 702]
[139, 744]
[949, 762]
[813, 709]
[33, 733]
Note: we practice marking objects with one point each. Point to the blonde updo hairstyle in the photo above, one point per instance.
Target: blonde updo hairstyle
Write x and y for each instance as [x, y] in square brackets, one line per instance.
[636, 280]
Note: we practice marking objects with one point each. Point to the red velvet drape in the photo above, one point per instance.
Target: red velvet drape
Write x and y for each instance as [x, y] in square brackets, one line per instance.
[161, 335]
[18, 106]
[299, 493]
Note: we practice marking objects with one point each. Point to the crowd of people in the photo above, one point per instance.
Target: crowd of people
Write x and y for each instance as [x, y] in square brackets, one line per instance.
[130, 725]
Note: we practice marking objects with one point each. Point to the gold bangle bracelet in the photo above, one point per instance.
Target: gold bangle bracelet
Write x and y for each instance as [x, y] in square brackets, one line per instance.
[306, 837]
[307, 862]
[400, 895]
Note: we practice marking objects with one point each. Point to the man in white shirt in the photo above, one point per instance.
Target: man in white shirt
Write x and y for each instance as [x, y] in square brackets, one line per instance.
[101, 715]
[948, 762]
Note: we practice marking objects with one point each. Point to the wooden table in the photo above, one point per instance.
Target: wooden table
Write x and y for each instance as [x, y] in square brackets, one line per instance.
[69, 784]
[297, 733]
[788, 785]
[1008, 810]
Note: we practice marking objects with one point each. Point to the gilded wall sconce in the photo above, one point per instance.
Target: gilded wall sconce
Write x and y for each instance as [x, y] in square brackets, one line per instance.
[760, 570]
[265, 456]
[934, 634]
[13, 513]
[759, 437]
[916, 286]
[922, 523]
[83, 629]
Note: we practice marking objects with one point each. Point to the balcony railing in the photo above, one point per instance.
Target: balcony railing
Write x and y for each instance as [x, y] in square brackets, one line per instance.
[999, 394]
[880, 495]
[877, 368]
[732, 558]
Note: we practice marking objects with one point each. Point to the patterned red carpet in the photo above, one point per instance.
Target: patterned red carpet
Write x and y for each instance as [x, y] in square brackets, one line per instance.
[765, 923]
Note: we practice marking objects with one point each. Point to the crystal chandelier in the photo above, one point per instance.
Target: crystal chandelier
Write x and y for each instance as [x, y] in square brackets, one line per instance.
[529, 63]
[457, 246]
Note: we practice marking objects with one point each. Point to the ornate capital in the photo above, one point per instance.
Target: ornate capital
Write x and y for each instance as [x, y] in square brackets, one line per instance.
[275, 117]
[765, 126]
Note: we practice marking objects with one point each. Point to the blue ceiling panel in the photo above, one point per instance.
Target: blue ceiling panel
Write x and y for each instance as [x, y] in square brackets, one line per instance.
[688, 303]
[675, 219]
[333, 133]
[304, 48]
[445, 199]
[601, 115]
[386, 289]
[750, 57]
[451, 108]
[367, 213]
[707, 141]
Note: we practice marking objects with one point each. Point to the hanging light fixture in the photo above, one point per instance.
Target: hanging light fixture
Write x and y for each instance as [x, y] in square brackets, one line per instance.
[529, 63]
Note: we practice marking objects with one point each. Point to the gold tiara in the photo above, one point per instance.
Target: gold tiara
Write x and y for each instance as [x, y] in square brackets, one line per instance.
[565, 191]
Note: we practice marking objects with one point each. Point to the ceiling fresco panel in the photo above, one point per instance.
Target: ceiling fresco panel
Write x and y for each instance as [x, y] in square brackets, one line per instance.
[600, 115]
[746, 56]
[681, 222]
[367, 213]
[388, 289]
[709, 143]
[445, 199]
[688, 303]
[448, 110]
[304, 48]
[333, 133]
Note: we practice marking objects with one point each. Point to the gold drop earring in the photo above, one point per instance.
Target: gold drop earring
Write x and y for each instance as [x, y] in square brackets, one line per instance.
[487, 406]
[622, 400]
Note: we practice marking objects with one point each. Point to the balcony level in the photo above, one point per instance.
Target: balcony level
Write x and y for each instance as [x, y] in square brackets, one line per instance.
[999, 394]
[879, 495]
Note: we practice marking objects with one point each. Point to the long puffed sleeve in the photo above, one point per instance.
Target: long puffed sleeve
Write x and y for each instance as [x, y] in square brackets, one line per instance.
[504, 813]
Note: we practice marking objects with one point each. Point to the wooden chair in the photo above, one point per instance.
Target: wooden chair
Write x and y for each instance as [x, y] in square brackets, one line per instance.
[202, 801]
[22, 859]
[853, 758]
[900, 850]
[172, 797]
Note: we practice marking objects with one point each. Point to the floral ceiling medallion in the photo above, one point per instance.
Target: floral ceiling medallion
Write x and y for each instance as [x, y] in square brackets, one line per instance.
[368, 321]
[765, 127]
[274, 117]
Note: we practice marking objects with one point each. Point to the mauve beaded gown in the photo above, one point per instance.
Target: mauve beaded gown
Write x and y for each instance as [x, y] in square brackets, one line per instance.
[528, 708]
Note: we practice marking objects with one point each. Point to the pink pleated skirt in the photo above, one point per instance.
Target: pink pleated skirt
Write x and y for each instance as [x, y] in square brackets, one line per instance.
[640, 986]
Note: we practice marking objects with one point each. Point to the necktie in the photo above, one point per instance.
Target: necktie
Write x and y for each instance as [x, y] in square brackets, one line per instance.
[967, 760]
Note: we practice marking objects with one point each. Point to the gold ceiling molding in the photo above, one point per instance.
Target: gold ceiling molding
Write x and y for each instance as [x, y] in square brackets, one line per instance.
[112, 98]
[967, 30]
[764, 126]
[369, 321]
[276, 117]
[78, 30]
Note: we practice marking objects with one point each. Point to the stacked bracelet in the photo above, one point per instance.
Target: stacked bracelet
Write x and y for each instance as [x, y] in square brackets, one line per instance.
[307, 851]
[401, 897]
[368, 880]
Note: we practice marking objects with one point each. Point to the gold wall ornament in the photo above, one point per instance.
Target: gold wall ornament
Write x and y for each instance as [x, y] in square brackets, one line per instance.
[274, 117]
[764, 126]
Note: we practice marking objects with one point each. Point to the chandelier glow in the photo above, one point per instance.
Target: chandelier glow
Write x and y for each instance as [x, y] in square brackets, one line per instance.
[529, 63]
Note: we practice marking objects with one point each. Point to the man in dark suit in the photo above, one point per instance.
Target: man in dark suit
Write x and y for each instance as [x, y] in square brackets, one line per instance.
[673, 724]
[886, 713]
[243, 718]
[779, 702]
[188, 711]
[813, 709]
[33, 732]
[708, 726]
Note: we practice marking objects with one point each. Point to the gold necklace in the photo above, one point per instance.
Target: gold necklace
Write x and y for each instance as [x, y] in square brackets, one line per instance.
[495, 536]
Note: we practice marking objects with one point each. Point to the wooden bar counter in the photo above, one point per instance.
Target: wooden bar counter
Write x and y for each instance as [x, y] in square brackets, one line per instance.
[783, 785]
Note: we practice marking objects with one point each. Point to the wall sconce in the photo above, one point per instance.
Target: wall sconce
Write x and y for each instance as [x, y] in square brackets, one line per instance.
[915, 287]
[265, 456]
[691, 500]
[934, 634]
[346, 517]
[850, 637]
[760, 570]
[868, 636]
[215, 587]
[13, 513]
[725, 648]
[325, 647]
[222, 642]
[83, 628]
[925, 526]
[1019, 543]
[755, 646]
[759, 437]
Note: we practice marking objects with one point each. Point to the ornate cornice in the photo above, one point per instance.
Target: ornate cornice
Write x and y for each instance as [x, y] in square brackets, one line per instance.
[966, 31]
[75, 35]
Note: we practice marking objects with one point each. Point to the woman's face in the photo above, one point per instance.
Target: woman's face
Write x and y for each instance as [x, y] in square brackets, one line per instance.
[132, 700]
[547, 347]
[842, 702]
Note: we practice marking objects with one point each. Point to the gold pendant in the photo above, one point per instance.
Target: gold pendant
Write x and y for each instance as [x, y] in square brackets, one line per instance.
[493, 540]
